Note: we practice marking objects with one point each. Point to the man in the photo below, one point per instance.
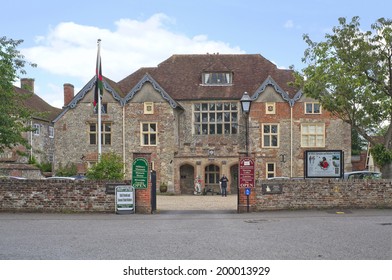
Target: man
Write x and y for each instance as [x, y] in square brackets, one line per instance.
[223, 182]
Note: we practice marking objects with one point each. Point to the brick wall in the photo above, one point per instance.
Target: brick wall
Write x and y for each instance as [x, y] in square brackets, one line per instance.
[63, 196]
[324, 194]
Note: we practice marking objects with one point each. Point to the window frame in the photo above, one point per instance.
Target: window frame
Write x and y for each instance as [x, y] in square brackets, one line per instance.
[148, 133]
[51, 131]
[37, 129]
[310, 134]
[312, 111]
[270, 134]
[104, 133]
[215, 118]
[267, 172]
[217, 78]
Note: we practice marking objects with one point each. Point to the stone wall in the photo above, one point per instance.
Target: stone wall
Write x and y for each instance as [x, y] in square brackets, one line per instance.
[322, 194]
[63, 196]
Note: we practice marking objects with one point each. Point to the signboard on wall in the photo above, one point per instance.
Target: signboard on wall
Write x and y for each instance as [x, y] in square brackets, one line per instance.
[125, 199]
[247, 173]
[140, 173]
[324, 164]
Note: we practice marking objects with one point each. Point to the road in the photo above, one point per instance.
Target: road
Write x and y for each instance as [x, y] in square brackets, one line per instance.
[198, 234]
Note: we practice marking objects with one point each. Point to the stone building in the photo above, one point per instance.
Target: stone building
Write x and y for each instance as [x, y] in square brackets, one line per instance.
[41, 141]
[185, 116]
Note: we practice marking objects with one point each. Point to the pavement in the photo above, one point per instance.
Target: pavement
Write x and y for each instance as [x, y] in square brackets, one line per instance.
[196, 202]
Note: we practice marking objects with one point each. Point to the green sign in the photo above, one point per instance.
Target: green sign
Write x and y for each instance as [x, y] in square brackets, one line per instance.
[140, 173]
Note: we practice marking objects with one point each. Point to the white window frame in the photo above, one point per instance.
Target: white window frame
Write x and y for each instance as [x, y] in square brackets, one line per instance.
[268, 172]
[37, 129]
[217, 78]
[51, 131]
[312, 111]
[313, 133]
[148, 133]
[104, 132]
[215, 118]
[271, 134]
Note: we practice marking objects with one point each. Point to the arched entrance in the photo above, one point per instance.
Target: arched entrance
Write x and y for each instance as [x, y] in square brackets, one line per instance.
[211, 178]
[187, 175]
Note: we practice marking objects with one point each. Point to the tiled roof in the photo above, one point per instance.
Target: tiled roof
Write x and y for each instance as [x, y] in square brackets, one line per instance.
[181, 76]
[37, 104]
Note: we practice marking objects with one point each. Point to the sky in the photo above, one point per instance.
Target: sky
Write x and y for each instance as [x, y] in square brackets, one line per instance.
[61, 36]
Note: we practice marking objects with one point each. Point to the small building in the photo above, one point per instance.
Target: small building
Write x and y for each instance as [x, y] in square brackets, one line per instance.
[185, 117]
[41, 139]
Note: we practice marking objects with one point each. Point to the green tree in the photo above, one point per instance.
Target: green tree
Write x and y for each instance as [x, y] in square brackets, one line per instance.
[110, 167]
[350, 73]
[13, 115]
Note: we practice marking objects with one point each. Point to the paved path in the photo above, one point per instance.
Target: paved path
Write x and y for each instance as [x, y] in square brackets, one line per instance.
[196, 202]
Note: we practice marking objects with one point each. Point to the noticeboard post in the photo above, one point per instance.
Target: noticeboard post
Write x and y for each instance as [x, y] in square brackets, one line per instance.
[247, 173]
[125, 200]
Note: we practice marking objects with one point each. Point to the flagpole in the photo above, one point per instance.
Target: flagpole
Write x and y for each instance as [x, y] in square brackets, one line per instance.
[99, 108]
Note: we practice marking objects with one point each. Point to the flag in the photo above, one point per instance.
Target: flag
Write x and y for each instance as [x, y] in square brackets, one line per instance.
[98, 83]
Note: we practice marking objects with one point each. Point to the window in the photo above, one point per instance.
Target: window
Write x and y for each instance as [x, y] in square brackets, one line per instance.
[148, 108]
[217, 78]
[149, 134]
[51, 131]
[104, 108]
[215, 118]
[271, 135]
[312, 108]
[106, 133]
[36, 129]
[270, 170]
[270, 108]
[312, 135]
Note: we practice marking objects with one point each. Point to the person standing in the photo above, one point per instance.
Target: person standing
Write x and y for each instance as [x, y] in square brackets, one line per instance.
[223, 182]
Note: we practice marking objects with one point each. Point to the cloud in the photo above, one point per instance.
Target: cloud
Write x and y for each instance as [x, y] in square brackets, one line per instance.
[289, 24]
[69, 49]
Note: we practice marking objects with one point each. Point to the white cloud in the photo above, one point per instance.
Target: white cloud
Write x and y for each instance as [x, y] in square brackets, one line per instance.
[289, 24]
[69, 49]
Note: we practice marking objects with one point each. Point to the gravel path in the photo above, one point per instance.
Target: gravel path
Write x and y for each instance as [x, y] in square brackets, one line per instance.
[196, 202]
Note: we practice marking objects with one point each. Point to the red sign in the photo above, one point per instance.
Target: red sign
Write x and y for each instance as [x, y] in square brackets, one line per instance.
[247, 173]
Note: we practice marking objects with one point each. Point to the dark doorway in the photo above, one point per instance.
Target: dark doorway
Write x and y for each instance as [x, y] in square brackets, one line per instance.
[234, 179]
[187, 176]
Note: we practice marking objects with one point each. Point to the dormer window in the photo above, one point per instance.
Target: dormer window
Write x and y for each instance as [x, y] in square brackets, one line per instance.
[217, 78]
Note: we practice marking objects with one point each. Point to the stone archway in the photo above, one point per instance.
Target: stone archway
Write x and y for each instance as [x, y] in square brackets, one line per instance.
[211, 178]
[187, 175]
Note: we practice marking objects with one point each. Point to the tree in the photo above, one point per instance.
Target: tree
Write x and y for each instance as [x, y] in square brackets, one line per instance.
[13, 115]
[110, 167]
[350, 73]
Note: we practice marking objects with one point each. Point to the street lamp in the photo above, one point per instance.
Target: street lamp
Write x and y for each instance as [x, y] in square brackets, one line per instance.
[245, 105]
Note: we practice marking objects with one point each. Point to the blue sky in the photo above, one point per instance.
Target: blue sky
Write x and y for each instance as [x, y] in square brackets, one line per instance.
[61, 36]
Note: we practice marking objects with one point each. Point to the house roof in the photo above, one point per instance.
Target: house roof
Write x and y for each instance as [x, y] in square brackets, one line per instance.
[38, 105]
[181, 76]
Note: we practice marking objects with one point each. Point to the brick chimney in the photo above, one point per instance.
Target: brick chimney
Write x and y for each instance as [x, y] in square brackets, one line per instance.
[68, 93]
[27, 84]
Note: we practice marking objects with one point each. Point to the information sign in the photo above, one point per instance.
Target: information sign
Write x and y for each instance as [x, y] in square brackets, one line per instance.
[140, 173]
[247, 173]
[125, 199]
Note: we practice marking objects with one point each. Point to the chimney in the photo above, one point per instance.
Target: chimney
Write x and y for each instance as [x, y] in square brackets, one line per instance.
[27, 84]
[68, 93]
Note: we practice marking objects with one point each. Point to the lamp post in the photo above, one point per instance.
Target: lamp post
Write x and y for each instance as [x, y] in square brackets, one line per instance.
[245, 105]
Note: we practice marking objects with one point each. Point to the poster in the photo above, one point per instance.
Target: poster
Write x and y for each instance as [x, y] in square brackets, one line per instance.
[324, 164]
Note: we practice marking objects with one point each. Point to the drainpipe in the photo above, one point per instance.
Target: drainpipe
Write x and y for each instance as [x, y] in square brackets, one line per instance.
[291, 141]
[31, 141]
[123, 136]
